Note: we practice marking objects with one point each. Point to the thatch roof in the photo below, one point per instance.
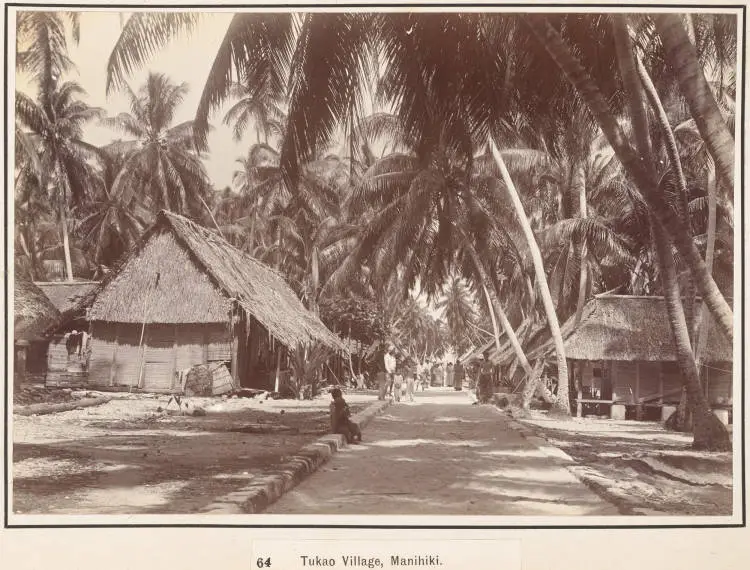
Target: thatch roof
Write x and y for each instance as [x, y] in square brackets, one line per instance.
[527, 332]
[181, 272]
[476, 352]
[33, 312]
[68, 297]
[620, 327]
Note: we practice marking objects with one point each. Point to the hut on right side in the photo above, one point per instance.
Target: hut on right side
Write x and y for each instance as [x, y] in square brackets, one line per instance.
[624, 365]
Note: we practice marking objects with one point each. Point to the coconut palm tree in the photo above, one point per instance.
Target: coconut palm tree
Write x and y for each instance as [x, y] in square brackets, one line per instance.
[55, 124]
[258, 106]
[709, 433]
[579, 77]
[108, 226]
[458, 311]
[680, 52]
[162, 168]
[328, 56]
[42, 48]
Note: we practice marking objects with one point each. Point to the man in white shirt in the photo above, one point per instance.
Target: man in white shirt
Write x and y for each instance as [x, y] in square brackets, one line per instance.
[389, 360]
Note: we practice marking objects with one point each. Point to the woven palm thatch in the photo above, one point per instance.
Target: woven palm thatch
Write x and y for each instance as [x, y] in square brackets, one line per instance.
[615, 327]
[183, 273]
[618, 327]
[69, 297]
[33, 312]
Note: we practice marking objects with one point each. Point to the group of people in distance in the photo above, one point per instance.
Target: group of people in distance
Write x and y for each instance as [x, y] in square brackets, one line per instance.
[399, 376]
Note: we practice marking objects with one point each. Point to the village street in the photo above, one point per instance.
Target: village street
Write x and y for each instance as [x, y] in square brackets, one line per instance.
[440, 455]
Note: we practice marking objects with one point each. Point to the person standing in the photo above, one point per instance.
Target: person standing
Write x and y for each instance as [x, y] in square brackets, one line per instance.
[449, 375]
[389, 360]
[484, 387]
[412, 371]
[382, 374]
[458, 376]
[398, 378]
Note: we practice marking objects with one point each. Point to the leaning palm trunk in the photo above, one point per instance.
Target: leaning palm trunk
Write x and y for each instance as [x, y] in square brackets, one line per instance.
[580, 183]
[491, 311]
[561, 403]
[589, 91]
[705, 317]
[694, 87]
[708, 432]
[498, 309]
[532, 376]
[674, 161]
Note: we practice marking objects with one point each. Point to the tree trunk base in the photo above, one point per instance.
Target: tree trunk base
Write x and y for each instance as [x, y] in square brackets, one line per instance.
[710, 434]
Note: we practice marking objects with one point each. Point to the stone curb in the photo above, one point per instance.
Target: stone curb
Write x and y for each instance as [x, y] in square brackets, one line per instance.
[266, 490]
[580, 471]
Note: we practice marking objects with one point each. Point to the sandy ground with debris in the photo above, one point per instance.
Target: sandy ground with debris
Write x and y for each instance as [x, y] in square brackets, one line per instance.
[131, 455]
[641, 466]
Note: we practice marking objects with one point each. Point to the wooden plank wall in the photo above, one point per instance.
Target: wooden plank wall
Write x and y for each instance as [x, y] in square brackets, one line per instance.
[717, 379]
[159, 358]
[116, 356]
[625, 381]
[102, 344]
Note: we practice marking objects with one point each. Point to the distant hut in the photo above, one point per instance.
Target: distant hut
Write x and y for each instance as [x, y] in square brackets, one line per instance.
[185, 296]
[623, 358]
[62, 360]
[33, 315]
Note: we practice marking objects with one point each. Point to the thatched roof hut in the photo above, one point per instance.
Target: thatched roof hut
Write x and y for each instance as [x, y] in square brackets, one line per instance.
[201, 281]
[33, 312]
[189, 297]
[69, 297]
[624, 327]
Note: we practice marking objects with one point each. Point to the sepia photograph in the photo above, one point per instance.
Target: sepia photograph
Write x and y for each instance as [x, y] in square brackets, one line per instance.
[376, 261]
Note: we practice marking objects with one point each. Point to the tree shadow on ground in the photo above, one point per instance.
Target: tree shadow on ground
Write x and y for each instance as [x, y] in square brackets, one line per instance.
[471, 466]
[193, 469]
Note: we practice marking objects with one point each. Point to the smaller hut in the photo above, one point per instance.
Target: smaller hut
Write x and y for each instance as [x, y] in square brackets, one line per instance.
[62, 360]
[33, 315]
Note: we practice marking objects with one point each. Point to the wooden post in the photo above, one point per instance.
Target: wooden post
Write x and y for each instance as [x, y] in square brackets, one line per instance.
[19, 372]
[578, 374]
[113, 367]
[174, 358]
[638, 406]
[235, 364]
[661, 383]
[277, 381]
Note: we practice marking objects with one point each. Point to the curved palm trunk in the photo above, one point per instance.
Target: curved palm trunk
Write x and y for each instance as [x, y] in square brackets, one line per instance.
[562, 403]
[708, 432]
[676, 165]
[599, 108]
[495, 328]
[498, 309]
[694, 87]
[704, 319]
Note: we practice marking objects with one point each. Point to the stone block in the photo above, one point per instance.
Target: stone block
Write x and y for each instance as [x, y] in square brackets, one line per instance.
[667, 411]
[723, 415]
[618, 412]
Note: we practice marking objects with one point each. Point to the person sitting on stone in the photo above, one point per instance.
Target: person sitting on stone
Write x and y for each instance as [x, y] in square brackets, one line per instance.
[341, 418]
